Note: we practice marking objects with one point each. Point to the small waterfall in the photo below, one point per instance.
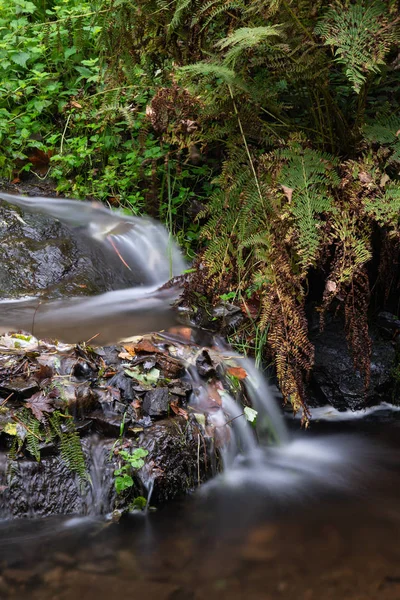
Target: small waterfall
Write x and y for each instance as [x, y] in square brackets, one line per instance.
[144, 247]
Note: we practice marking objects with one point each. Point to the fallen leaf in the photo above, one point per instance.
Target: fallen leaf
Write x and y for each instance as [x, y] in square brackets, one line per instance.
[184, 332]
[288, 192]
[146, 346]
[39, 404]
[330, 286]
[384, 179]
[364, 177]
[237, 372]
[10, 428]
[75, 104]
[130, 348]
[44, 372]
[125, 355]
[178, 410]
[148, 378]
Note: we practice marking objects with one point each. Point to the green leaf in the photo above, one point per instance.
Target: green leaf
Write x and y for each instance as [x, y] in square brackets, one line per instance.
[140, 453]
[123, 483]
[148, 378]
[20, 58]
[69, 52]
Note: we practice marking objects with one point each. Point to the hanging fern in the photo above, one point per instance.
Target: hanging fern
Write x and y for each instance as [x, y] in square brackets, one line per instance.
[70, 444]
[310, 177]
[361, 34]
[246, 38]
[386, 132]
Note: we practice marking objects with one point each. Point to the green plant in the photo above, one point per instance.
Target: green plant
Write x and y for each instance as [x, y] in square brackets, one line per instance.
[52, 427]
[130, 462]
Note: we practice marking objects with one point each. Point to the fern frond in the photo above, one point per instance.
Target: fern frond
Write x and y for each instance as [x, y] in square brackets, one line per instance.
[361, 35]
[70, 444]
[214, 71]
[386, 209]
[308, 174]
[386, 132]
[245, 38]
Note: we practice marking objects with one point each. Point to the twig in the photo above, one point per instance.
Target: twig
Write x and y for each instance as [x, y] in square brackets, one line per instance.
[5, 401]
[14, 418]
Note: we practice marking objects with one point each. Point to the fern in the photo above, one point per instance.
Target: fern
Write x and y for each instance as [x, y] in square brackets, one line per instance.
[33, 433]
[181, 9]
[70, 444]
[308, 174]
[213, 71]
[385, 209]
[361, 35]
[386, 132]
[245, 38]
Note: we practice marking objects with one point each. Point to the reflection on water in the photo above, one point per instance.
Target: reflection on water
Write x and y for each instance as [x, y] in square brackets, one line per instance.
[323, 542]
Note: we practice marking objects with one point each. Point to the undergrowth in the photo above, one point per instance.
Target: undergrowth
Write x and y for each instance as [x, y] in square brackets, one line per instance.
[265, 133]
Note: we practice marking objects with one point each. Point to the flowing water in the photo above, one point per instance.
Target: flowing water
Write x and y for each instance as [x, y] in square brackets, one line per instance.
[293, 514]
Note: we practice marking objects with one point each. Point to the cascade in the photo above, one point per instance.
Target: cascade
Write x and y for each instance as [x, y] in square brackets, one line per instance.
[265, 454]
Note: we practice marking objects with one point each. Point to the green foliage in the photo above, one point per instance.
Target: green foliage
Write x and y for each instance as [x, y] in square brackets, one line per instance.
[361, 34]
[52, 428]
[264, 132]
[131, 462]
[63, 428]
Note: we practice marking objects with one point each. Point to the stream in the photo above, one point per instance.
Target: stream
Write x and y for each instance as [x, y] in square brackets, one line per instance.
[311, 514]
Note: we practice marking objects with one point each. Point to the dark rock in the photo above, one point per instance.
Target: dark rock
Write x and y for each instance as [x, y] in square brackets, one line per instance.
[204, 365]
[156, 402]
[334, 380]
[20, 387]
[125, 384]
[38, 254]
[173, 463]
[389, 324]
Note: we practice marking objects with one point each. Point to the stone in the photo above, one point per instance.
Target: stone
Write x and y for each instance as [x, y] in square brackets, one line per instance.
[334, 380]
[156, 402]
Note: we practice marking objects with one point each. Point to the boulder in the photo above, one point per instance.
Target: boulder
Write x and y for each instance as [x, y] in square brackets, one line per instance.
[334, 380]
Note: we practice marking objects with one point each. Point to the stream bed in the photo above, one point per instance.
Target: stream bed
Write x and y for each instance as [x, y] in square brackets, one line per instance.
[229, 541]
[271, 512]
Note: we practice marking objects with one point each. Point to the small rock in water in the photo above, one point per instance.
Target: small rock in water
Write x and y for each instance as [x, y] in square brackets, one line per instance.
[156, 402]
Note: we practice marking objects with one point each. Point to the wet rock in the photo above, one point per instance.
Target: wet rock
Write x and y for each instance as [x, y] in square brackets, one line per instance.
[39, 254]
[204, 365]
[333, 379]
[174, 464]
[389, 325]
[20, 387]
[124, 384]
[156, 402]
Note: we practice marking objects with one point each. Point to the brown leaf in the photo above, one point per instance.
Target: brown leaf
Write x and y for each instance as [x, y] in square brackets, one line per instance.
[75, 104]
[178, 410]
[288, 192]
[130, 348]
[146, 346]
[184, 332]
[44, 372]
[364, 177]
[238, 372]
[39, 404]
